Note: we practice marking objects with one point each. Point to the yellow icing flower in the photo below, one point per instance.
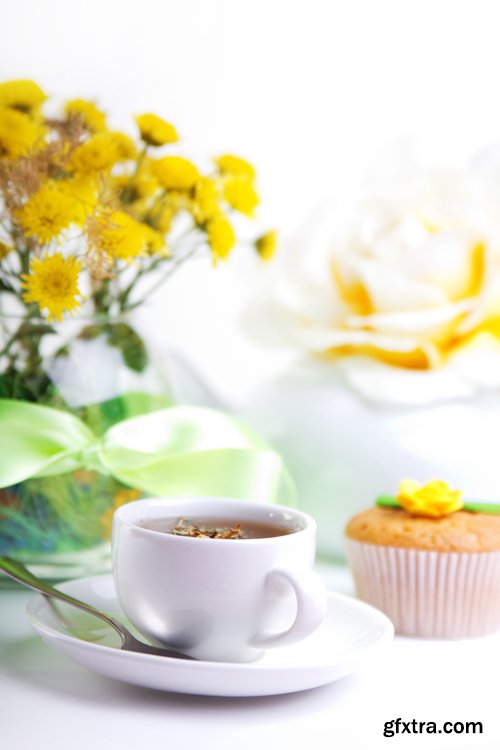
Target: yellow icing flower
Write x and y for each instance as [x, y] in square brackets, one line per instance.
[24, 95]
[432, 500]
[48, 212]
[266, 244]
[18, 133]
[92, 117]
[98, 154]
[176, 173]
[53, 284]
[221, 237]
[241, 195]
[121, 236]
[235, 166]
[155, 131]
[205, 201]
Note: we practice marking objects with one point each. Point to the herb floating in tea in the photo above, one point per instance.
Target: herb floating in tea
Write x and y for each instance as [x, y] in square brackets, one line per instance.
[185, 528]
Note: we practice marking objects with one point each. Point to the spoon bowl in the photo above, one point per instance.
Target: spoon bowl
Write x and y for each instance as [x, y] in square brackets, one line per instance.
[21, 574]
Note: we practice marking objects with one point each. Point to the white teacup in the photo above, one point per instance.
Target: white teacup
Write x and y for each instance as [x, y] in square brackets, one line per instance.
[217, 599]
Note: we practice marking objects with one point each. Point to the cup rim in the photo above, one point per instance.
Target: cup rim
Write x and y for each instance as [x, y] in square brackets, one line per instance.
[120, 516]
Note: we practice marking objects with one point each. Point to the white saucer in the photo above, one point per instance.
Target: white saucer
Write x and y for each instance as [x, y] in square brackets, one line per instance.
[351, 633]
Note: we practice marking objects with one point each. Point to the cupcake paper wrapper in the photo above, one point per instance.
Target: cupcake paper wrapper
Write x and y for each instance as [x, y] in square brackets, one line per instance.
[429, 594]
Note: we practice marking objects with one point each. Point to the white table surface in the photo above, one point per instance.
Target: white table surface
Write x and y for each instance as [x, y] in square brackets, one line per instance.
[48, 702]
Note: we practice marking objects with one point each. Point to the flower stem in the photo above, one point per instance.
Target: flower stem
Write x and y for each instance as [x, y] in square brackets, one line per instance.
[173, 267]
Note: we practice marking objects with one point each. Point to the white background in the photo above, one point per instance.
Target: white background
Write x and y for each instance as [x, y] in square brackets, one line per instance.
[309, 90]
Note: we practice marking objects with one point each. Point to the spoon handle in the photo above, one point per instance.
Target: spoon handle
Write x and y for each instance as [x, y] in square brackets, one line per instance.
[20, 573]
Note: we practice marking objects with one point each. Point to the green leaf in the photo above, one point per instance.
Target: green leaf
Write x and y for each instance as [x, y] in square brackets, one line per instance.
[122, 337]
[130, 344]
[389, 501]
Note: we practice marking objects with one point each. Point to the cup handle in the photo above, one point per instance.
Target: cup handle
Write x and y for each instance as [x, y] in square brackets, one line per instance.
[311, 606]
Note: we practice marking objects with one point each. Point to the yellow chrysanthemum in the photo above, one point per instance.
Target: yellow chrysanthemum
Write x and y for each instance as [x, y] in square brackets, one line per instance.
[18, 133]
[98, 154]
[5, 250]
[53, 284]
[145, 182]
[154, 241]
[235, 166]
[145, 185]
[124, 145]
[121, 236]
[84, 189]
[48, 212]
[176, 173]
[241, 195]
[155, 131]
[205, 203]
[142, 185]
[165, 218]
[90, 115]
[266, 244]
[221, 237]
[24, 95]
[432, 500]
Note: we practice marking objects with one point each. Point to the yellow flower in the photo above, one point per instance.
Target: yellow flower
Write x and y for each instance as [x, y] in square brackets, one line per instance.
[235, 166]
[205, 202]
[18, 134]
[24, 95]
[166, 217]
[84, 190]
[121, 236]
[142, 185]
[145, 182]
[98, 154]
[53, 284]
[124, 145]
[266, 244]
[154, 241]
[48, 212]
[432, 500]
[241, 195]
[155, 131]
[92, 117]
[145, 185]
[4, 250]
[176, 173]
[221, 237]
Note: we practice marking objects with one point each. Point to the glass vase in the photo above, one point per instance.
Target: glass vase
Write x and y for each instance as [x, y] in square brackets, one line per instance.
[102, 370]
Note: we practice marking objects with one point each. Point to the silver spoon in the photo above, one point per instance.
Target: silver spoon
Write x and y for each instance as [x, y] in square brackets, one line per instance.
[19, 573]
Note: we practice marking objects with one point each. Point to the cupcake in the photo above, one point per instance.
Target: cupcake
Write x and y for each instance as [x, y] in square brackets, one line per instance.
[429, 561]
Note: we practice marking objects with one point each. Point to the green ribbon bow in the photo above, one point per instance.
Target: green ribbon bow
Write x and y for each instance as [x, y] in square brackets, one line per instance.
[176, 451]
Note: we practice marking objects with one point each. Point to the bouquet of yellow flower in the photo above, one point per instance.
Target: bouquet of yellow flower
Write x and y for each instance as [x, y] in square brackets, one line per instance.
[88, 214]
[92, 222]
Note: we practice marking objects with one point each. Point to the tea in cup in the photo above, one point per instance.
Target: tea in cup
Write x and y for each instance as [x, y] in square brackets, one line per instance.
[221, 579]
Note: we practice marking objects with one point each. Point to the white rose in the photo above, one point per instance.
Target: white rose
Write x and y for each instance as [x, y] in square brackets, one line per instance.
[406, 291]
